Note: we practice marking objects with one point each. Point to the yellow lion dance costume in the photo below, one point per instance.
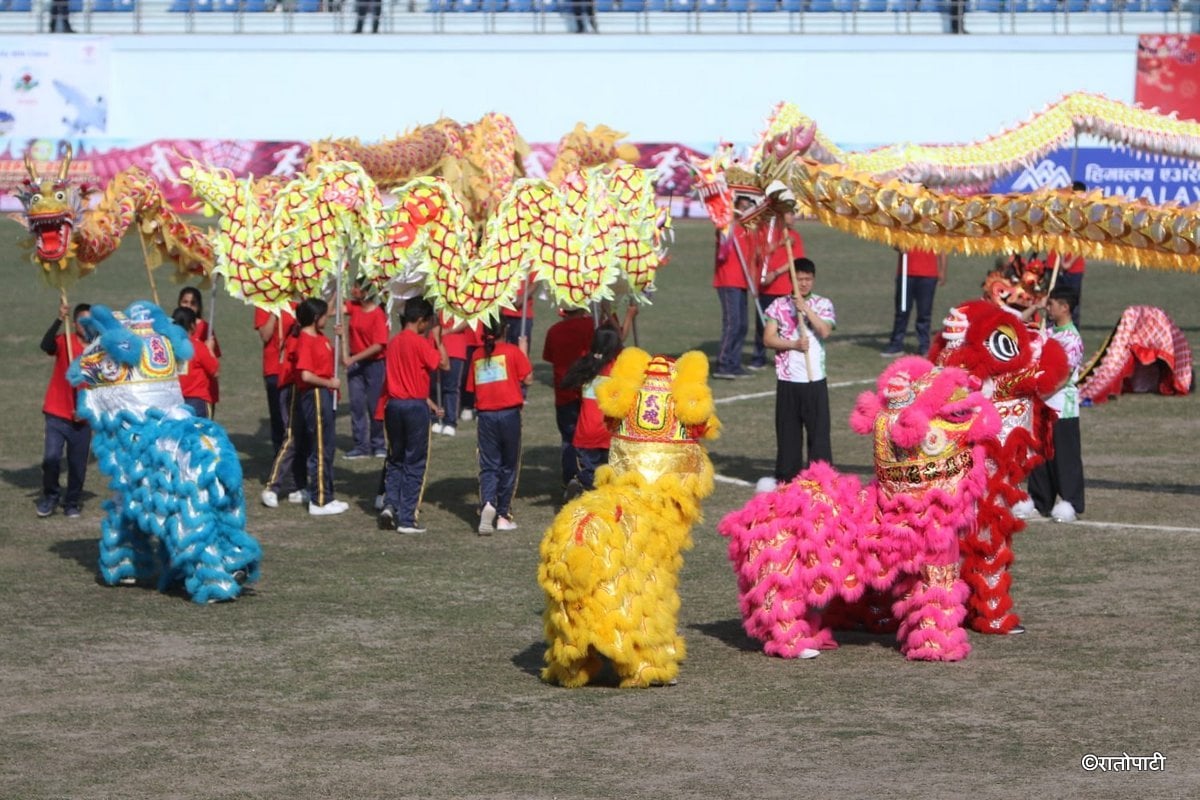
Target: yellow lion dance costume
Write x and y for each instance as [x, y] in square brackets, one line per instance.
[610, 562]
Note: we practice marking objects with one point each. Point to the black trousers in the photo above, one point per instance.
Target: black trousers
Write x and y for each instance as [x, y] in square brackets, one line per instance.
[800, 409]
[364, 7]
[1061, 476]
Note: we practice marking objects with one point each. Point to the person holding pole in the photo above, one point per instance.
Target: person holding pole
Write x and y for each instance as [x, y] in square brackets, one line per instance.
[736, 251]
[918, 274]
[776, 281]
[796, 326]
[63, 428]
[363, 356]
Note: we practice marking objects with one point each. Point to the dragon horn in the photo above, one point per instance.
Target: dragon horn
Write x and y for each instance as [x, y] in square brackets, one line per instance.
[66, 164]
[30, 168]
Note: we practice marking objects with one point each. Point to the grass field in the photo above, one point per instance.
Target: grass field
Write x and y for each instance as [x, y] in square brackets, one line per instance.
[372, 665]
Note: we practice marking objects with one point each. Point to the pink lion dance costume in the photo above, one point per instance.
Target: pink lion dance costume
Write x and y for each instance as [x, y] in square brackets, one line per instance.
[825, 539]
[1017, 367]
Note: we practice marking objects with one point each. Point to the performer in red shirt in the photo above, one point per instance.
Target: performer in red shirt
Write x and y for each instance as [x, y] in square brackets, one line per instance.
[368, 337]
[272, 330]
[915, 284]
[63, 428]
[197, 376]
[566, 342]
[289, 470]
[737, 253]
[190, 297]
[519, 320]
[411, 360]
[498, 374]
[592, 434]
[316, 382]
[447, 389]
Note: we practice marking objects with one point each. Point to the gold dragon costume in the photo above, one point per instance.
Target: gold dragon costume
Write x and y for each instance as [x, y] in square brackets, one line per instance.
[610, 561]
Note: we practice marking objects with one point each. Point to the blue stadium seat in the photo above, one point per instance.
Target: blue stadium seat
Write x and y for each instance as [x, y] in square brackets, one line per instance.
[792, 6]
[710, 5]
[602, 6]
[1076, 6]
[845, 6]
[681, 5]
[1160, 6]
[656, 5]
[991, 6]
[76, 6]
[902, 5]
[1134, 6]
[227, 5]
[1104, 6]
[308, 6]
[763, 6]
[16, 5]
[737, 6]
[493, 6]
[255, 6]
[1044, 6]
[633, 6]
[820, 5]
[931, 6]
[873, 6]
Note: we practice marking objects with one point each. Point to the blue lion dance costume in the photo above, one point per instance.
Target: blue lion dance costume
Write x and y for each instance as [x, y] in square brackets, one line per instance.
[176, 478]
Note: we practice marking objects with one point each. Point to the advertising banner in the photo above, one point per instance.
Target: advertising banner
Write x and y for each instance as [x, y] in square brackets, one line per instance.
[53, 86]
[1137, 176]
[1168, 74]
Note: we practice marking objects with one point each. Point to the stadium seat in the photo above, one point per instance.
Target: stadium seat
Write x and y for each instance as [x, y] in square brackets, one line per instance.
[493, 6]
[681, 5]
[873, 6]
[710, 5]
[763, 6]
[1103, 6]
[1076, 6]
[16, 5]
[602, 6]
[254, 6]
[1160, 6]
[792, 6]
[308, 6]
[820, 5]
[466, 5]
[931, 6]
[737, 6]
[1134, 6]
[990, 6]
[656, 5]
[902, 5]
[1044, 6]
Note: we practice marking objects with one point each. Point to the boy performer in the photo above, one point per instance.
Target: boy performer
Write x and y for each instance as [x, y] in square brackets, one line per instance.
[63, 427]
[411, 360]
[794, 329]
[1062, 475]
[567, 341]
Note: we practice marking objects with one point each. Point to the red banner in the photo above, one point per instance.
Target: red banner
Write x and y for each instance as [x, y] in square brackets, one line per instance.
[1168, 74]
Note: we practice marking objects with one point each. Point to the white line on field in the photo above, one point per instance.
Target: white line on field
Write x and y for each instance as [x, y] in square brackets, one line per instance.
[1098, 524]
[757, 395]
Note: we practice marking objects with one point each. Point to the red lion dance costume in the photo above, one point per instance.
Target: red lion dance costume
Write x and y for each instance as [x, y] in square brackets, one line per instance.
[1018, 367]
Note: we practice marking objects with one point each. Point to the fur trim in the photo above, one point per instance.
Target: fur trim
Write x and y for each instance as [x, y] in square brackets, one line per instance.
[617, 395]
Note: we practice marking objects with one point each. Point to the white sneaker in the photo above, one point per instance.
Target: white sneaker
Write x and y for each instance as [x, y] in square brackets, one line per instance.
[1063, 512]
[448, 430]
[505, 524]
[379, 502]
[330, 508]
[299, 496]
[808, 652]
[466, 415]
[1024, 509]
[765, 485]
[437, 427]
[270, 499]
[487, 520]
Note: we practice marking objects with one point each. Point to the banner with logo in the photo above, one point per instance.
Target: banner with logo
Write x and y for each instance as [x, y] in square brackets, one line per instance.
[1134, 175]
[53, 86]
[1168, 74]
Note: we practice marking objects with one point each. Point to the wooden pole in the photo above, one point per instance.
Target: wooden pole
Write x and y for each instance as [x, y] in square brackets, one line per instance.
[149, 270]
[62, 293]
[801, 325]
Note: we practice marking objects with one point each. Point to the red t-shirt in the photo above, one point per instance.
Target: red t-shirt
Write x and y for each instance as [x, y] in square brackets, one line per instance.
[196, 376]
[778, 259]
[367, 328]
[497, 381]
[456, 343]
[60, 394]
[592, 432]
[728, 273]
[314, 353]
[525, 294]
[1071, 263]
[287, 368]
[567, 341]
[272, 363]
[410, 360]
[202, 335]
[921, 264]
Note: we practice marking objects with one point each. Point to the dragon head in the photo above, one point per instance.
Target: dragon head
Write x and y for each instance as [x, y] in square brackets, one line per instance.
[53, 208]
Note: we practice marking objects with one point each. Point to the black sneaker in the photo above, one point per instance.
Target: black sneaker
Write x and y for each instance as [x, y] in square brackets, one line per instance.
[387, 519]
[45, 507]
[72, 512]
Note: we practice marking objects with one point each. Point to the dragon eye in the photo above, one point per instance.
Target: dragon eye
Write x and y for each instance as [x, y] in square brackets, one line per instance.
[1002, 344]
[60, 196]
[33, 201]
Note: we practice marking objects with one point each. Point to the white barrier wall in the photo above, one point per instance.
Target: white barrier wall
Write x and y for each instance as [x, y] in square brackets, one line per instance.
[862, 90]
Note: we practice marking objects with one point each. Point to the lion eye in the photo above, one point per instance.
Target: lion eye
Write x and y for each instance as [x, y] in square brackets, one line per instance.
[1002, 345]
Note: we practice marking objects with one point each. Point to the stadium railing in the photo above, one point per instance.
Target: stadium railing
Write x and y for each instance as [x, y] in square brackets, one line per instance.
[614, 16]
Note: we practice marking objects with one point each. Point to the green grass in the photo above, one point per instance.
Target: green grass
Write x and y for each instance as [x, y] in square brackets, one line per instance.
[368, 664]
